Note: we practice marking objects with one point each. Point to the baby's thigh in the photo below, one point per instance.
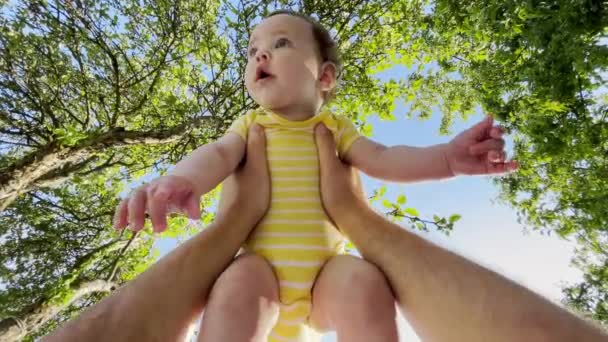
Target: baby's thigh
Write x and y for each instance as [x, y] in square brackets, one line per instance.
[346, 287]
[247, 279]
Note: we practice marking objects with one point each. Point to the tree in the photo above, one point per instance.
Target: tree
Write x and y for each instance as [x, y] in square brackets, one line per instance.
[95, 95]
[84, 92]
[83, 81]
[540, 66]
[80, 81]
[590, 296]
[57, 251]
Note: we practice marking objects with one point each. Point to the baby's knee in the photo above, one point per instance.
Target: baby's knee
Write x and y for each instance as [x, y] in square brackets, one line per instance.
[249, 282]
[364, 288]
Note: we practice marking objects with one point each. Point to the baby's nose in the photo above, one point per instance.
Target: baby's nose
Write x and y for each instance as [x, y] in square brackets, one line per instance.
[262, 56]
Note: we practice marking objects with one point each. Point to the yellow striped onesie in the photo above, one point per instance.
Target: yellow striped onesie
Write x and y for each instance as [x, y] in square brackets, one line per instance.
[295, 236]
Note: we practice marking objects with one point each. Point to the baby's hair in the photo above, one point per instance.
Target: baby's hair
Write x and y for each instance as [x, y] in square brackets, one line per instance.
[328, 49]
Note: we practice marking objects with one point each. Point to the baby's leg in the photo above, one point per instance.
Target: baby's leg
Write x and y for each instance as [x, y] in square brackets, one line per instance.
[243, 304]
[352, 297]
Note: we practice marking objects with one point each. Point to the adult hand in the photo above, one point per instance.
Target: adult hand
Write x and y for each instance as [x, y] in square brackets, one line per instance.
[248, 188]
[341, 186]
[479, 150]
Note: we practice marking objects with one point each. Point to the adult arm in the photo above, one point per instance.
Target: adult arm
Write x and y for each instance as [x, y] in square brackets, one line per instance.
[444, 296]
[160, 304]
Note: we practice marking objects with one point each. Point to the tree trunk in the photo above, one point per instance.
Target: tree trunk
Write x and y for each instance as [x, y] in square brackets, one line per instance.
[33, 317]
[43, 164]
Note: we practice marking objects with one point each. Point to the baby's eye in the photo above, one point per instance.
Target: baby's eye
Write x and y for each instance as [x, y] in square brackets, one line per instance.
[252, 52]
[281, 42]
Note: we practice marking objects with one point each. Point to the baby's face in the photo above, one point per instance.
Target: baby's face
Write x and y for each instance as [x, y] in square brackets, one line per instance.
[283, 64]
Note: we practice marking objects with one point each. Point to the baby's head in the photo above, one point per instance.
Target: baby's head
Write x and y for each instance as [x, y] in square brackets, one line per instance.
[292, 63]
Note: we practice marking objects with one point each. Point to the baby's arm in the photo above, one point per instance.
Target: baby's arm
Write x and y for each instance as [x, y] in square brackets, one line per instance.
[210, 164]
[478, 150]
[399, 163]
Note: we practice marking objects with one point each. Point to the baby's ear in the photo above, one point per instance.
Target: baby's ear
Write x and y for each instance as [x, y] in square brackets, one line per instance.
[327, 76]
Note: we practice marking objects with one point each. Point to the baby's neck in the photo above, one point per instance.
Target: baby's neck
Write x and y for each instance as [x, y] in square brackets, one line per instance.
[296, 113]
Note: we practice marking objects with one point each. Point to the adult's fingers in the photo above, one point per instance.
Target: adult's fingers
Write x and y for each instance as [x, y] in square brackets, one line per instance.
[137, 210]
[157, 205]
[487, 146]
[121, 214]
[326, 147]
[256, 148]
[358, 185]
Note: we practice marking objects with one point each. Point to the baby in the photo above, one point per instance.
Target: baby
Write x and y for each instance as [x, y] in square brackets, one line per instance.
[291, 72]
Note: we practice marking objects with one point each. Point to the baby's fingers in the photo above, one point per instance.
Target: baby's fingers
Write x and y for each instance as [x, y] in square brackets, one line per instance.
[157, 202]
[137, 210]
[497, 156]
[504, 167]
[192, 207]
[121, 214]
[487, 146]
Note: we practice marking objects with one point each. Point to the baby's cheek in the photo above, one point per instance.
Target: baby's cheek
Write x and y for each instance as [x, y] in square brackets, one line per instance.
[249, 72]
[248, 83]
[312, 67]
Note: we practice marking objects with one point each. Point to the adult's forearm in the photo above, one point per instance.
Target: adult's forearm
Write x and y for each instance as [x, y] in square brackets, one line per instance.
[449, 298]
[160, 303]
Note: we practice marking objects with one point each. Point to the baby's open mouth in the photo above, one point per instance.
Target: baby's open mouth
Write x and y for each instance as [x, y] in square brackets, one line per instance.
[262, 74]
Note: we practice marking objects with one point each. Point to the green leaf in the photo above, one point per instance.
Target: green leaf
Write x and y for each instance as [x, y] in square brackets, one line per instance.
[401, 199]
[387, 204]
[412, 212]
[454, 218]
[367, 130]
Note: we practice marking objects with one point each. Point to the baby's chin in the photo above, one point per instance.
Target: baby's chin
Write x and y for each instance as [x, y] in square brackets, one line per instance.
[273, 100]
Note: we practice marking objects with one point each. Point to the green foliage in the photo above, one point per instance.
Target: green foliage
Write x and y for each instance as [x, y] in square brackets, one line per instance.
[539, 67]
[590, 296]
[397, 212]
[53, 240]
[97, 94]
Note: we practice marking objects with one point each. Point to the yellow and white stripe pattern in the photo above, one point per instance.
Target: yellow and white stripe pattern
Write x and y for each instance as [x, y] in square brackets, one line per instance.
[295, 236]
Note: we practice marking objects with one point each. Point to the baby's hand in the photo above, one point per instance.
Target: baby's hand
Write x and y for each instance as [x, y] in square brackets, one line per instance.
[158, 198]
[479, 150]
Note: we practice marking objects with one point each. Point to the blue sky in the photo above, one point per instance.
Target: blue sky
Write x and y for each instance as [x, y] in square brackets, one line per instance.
[488, 232]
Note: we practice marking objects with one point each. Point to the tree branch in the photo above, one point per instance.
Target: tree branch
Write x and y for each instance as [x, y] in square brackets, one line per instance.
[120, 254]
